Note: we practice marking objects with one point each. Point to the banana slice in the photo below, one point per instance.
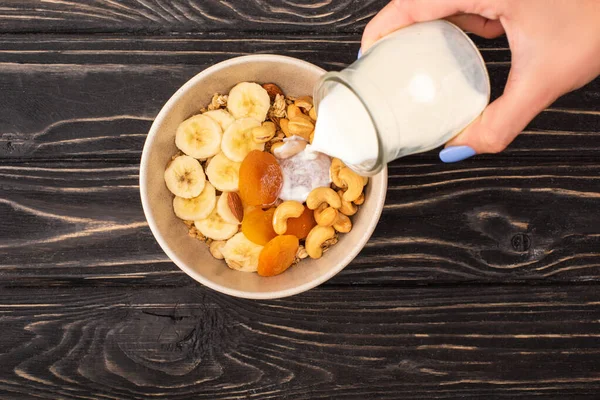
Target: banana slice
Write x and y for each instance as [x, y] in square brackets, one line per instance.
[241, 254]
[198, 207]
[199, 137]
[249, 99]
[215, 228]
[238, 141]
[224, 210]
[223, 173]
[221, 117]
[185, 177]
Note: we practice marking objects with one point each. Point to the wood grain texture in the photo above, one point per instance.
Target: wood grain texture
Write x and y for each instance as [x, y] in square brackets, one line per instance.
[481, 280]
[143, 16]
[440, 224]
[392, 343]
[96, 97]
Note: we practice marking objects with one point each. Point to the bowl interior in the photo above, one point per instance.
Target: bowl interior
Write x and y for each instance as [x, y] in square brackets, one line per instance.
[296, 78]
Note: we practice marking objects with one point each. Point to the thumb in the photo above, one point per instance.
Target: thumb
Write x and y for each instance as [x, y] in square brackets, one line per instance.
[499, 124]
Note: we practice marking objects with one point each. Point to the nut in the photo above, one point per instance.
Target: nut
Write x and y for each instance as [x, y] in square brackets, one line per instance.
[275, 146]
[313, 113]
[322, 195]
[301, 126]
[292, 147]
[312, 137]
[284, 125]
[301, 253]
[315, 239]
[235, 205]
[342, 224]
[334, 171]
[353, 182]
[293, 111]
[264, 133]
[325, 215]
[215, 249]
[365, 180]
[305, 102]
[360, 200]
[273, 90]
[347, 208]
[287, 209]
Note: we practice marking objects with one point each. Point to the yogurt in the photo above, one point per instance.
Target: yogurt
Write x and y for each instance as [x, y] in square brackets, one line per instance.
[302, 173]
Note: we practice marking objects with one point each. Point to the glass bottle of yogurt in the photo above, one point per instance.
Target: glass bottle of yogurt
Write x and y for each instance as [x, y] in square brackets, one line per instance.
[412, 91]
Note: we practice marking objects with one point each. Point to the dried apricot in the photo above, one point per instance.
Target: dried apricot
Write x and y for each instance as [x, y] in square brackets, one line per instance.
[257, 225]
[261, 179]
[300, 226]
[277, 255]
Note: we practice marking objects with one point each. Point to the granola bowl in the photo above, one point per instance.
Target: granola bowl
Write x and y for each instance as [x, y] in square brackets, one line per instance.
[295, 78]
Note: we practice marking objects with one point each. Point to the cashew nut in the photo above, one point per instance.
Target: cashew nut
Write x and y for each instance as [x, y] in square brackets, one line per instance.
[290, 149]
[215, 249]
[360, 200]
[302, 126]
[322, 195]
[283, 124]
[305, 102]
[287, 209]
[313, 113]
[293, 111]
[353, 182]
[264, 133]
[275, 146]
[315, 239]
[325, 215]
[334, 172]
[347, 208]
[342, 224]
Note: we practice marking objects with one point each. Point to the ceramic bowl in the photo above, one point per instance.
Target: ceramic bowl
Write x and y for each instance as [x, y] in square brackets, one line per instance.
[296, 78]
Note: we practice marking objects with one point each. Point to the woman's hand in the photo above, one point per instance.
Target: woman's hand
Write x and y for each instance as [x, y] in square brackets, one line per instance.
[555, 47]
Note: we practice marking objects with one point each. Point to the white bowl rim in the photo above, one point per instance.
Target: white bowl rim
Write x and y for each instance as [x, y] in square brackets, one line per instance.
[196, 275]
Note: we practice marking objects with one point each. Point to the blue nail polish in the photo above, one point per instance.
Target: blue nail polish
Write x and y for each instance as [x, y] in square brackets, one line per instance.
[359, 53]
[456, 153]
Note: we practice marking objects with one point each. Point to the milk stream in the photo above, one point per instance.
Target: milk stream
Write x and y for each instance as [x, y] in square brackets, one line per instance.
[430, 95]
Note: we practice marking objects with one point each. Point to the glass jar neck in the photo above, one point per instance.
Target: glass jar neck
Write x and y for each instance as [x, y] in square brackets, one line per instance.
[378, 115]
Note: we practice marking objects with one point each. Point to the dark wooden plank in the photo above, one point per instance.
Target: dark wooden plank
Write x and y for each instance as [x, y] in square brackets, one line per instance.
[389, 343]
[95, 97]
[83, 221]
[145, 16]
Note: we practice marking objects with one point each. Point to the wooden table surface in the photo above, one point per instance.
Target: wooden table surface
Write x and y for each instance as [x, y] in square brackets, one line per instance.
[481, 280]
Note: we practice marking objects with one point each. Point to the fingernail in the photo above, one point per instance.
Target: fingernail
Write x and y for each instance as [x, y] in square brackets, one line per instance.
[456, 153]
[359, 53]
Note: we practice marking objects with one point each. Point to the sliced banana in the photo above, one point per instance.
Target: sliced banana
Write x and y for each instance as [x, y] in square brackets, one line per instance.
[238, 139]
[199, 137]
[249, 99]
[185, 177]
[215, 228]
[223, 173]
[241, 254]
[197, 207]
[224, 210]
[221, 117]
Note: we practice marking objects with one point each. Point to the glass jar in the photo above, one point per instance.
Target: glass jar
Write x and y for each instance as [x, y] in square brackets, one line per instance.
[417, 87]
